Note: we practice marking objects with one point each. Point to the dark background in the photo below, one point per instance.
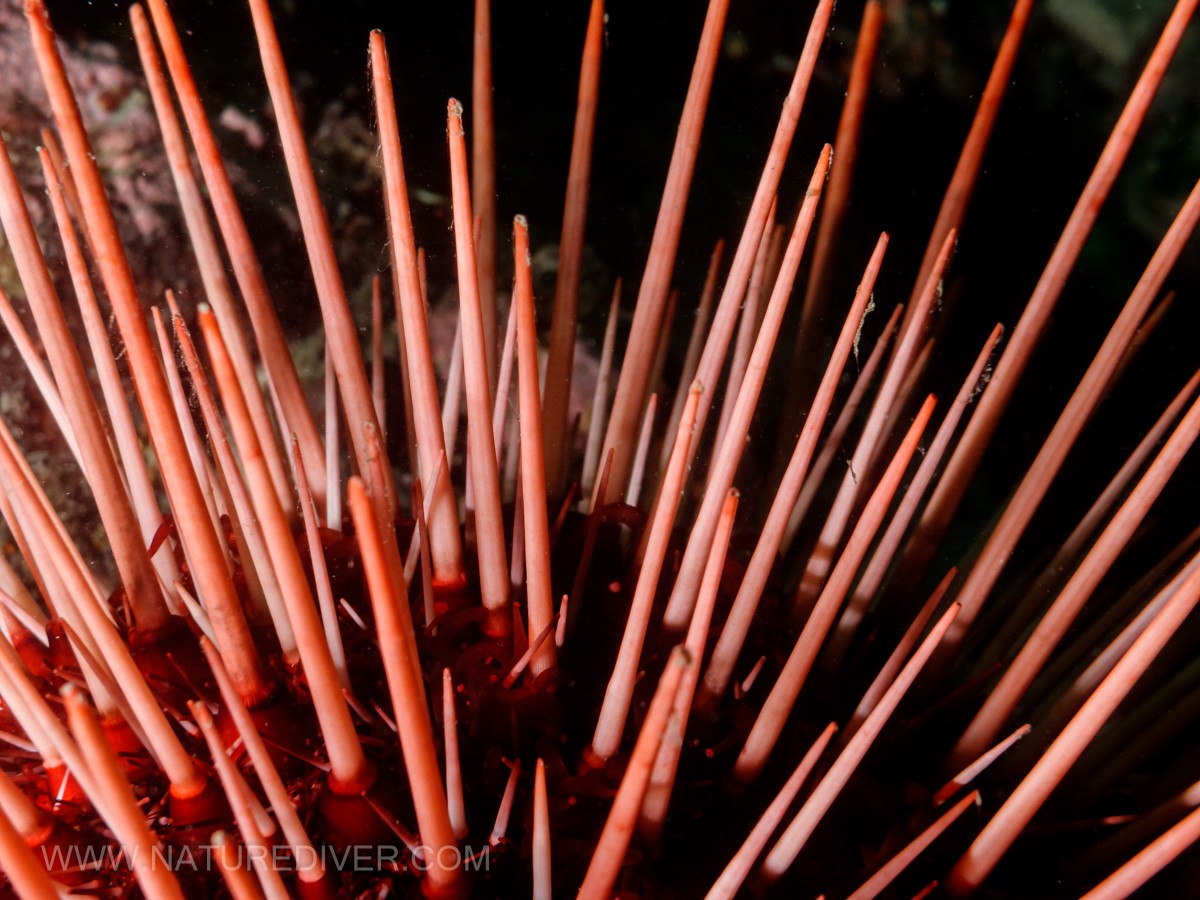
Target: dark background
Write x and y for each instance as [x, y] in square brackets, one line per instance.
[1067, 90]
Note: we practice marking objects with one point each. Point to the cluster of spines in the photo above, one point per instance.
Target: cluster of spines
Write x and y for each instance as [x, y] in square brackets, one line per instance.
[873, 537]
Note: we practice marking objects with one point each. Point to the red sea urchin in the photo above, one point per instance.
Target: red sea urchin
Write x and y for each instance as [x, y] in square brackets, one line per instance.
[547, 696]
